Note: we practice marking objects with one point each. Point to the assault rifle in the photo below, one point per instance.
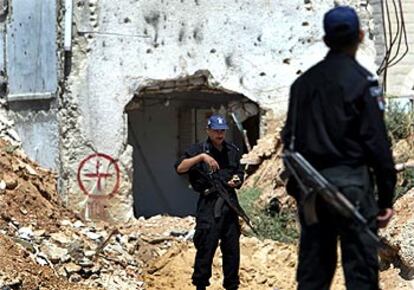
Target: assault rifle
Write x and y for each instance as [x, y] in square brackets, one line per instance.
[218, 184]
[311, 183]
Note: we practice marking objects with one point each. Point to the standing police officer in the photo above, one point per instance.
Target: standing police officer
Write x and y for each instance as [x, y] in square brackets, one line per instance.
[338, 109]
[215, 220]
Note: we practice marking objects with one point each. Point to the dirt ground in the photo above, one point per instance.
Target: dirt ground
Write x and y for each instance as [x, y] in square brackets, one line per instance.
[265, 265]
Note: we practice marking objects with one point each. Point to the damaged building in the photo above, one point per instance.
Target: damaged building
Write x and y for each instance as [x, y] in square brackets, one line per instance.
[109, 93]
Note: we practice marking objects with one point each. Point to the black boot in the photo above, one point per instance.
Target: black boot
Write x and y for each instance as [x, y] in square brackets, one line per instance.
[201, 288]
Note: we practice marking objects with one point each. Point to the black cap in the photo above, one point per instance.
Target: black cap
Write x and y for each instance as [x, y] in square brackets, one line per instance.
[341, 25]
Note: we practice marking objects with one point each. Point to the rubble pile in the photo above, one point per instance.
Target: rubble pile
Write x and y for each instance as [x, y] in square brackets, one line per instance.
[27, 191]
[397, 256]
[43, 244]
[399, 238]
[265, 167]
[30, 210]
[19, 271]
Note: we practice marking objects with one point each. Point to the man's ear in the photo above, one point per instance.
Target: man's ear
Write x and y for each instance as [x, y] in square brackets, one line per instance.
[361, 35]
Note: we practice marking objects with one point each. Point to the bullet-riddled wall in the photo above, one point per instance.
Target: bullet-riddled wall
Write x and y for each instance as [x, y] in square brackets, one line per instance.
[252, 48]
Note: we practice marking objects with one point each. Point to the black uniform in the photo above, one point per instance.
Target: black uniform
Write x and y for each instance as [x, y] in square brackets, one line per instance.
[214, 219]
[340, 131]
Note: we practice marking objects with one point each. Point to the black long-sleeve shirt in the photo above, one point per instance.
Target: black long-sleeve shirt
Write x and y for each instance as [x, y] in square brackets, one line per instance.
[228, 159]
[338, 108]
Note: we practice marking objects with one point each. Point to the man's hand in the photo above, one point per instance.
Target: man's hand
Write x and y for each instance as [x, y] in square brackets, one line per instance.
[234, 181]
[187, 163]
[384, 217]
[211, 162]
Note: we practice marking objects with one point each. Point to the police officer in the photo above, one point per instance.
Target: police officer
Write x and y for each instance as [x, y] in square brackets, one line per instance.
[215, 220]
[337, 107]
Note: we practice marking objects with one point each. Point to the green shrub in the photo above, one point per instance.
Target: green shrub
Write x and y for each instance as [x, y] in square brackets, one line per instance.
[399, 120]
[279, 226]
[405, 182]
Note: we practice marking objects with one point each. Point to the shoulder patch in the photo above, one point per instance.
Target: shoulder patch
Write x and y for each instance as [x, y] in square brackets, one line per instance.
[376, 92]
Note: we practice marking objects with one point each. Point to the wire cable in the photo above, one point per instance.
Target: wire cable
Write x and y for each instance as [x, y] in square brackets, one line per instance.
[393, 42]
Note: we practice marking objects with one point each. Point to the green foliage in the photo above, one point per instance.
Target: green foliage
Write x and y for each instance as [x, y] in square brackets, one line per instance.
[248, 197]
[278, 226]
[405, 182]
[399, 120]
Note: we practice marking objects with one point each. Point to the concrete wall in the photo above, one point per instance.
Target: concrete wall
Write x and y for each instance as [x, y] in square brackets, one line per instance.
[400, 79]
[37, 125]
[255, 48]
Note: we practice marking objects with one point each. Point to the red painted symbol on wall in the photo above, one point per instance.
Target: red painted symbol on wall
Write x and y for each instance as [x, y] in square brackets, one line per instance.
[99, 176]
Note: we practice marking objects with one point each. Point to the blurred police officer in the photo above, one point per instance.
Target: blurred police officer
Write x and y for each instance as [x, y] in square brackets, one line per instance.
[338, 108]
[215, 220]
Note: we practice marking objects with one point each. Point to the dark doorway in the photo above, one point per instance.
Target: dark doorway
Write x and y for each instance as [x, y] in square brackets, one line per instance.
[161, 125]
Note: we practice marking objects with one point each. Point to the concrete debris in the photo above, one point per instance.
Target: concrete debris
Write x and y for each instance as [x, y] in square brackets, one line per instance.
[399, 238]
[88, 255]
[43, 243]
[94, 236]
[7, 131]
[78, 224]
[55, 253]
[11, 182]
[268, 144]
[25, 233]
[30, 169]
[41, 259]
[265, 167]
[3, 186]
[10, 283]
[72, 268]
[61, 238]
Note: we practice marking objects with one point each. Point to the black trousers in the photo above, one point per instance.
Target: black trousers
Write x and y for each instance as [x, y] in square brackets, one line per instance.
[209, 233]
[318, 242]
